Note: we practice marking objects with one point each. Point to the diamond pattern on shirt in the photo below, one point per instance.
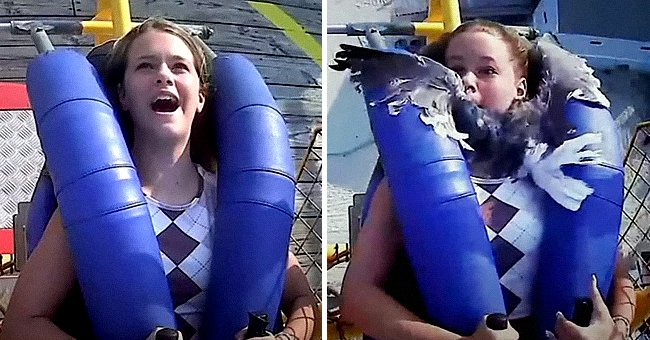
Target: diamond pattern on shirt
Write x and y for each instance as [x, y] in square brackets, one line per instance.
[176, 244]
[491, 234]
[497, 214]
[489, 188]
[506, 255]
[510, 299]
[185, 327]
[524, 231]
[197, 265]
[192, 305]
[481, 194]
[172, 214]
[159, 220]
[511, 213]
[522, 194]
[184, 237]
[517, 279]
[191, 311]
[195, 221]
[182, 287]
[168, 264]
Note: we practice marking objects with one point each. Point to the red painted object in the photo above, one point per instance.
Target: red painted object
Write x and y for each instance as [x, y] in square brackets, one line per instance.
[6, 241]
[13, 96]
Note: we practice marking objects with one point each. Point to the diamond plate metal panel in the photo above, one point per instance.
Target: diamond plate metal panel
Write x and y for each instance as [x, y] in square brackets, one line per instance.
[21, 159]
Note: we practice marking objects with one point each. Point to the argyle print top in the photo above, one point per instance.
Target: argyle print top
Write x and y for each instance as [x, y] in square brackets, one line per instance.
[512, 216]
[183, 234]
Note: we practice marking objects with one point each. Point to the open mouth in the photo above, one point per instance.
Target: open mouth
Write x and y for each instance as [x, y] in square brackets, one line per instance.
[165, 104]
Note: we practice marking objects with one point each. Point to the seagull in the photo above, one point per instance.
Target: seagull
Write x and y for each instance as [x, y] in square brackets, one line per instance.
[532, 138]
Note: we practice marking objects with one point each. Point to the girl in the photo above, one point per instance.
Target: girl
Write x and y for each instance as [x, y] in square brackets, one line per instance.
[160, 78]
[380, 293]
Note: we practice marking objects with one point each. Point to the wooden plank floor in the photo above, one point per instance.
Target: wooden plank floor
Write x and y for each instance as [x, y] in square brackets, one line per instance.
[293, 77]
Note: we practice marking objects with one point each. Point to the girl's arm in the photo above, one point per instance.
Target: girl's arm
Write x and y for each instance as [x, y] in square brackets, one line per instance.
[366, 304]
[41, 288]
[298, 304]
[624, 297]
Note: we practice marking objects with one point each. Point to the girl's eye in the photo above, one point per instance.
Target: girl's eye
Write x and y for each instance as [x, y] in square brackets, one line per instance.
[144, 66]
[181, 66]
[488, 71]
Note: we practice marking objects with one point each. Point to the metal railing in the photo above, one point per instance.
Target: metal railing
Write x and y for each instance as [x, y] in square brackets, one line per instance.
[635, 225]
[306, 238]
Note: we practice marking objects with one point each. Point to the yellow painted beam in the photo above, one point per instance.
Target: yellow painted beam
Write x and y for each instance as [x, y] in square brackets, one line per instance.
[103, 14]
[445, 13]
[121, 17]
[428, 29]
[291, 28]
[450, 14]
[113, 20]
[100, 27]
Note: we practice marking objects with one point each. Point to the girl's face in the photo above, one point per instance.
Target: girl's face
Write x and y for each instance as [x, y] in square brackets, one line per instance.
[488, 69]
[161, 86]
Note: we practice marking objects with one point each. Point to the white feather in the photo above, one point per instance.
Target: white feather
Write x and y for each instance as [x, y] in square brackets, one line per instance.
[546, 170]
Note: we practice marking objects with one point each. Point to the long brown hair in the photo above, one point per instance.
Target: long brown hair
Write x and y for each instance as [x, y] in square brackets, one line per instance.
[202, 135]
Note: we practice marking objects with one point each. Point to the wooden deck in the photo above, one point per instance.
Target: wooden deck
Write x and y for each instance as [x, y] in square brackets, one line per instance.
[294, 78]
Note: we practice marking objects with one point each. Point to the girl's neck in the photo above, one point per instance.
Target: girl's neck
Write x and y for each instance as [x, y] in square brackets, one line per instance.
[166, 171]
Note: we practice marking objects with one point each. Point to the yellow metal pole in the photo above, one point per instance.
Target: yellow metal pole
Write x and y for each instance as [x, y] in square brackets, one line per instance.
[113, 20]
[445, 14]
[428, 29]
[450, 14]
[103, 14]
[103, 10]
[100, 27]
[434, 13]
[121, 15]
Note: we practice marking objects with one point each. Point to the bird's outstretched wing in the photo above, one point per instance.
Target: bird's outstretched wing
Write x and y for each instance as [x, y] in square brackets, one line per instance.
[405, 79]
[396, 68]
[564, 75]
[508, 143]
[408, 79]
[568, 73]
